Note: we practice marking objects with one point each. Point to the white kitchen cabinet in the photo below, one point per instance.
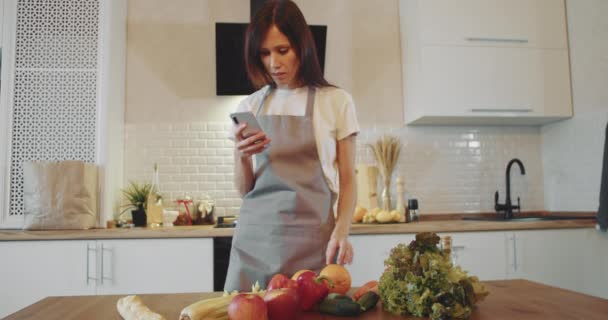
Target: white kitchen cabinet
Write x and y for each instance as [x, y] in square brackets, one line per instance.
[33, 270]
[527, 23]
[370, 251]
[155, 266]
[495, 62]
[481, 254]
[512, 82]
[552, 257]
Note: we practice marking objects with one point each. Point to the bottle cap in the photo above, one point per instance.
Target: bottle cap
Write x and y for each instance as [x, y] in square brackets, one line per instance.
[412, 204]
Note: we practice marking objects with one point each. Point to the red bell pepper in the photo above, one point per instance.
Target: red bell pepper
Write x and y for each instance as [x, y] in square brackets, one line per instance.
[312, 289]
[279, 281]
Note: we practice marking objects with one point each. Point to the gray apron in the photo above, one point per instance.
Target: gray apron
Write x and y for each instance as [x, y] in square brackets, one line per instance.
[286, 220]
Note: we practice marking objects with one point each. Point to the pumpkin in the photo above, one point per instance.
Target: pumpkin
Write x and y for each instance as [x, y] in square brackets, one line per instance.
[340, 277]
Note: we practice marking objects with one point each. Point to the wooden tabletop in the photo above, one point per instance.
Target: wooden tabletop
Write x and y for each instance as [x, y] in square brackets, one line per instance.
[508, 299]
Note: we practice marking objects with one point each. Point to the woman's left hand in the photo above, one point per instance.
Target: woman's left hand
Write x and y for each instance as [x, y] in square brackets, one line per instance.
[342, 246]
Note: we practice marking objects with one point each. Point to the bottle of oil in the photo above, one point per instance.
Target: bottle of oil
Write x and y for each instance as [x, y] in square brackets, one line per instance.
[155, 202]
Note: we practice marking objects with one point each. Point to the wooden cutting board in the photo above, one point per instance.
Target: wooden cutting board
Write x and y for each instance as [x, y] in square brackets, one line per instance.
[508, 300]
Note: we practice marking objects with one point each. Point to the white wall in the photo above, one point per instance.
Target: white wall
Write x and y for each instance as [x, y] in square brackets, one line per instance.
[173, 116]
[572, 150]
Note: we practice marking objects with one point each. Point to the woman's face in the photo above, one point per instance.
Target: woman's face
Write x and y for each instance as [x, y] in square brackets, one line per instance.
[280, 59]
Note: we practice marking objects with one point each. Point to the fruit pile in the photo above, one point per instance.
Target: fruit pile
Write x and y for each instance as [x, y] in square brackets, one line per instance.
[285, 298]
[376, 215]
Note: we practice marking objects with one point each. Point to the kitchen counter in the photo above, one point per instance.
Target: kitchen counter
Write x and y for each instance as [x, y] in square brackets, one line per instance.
[508, 299]
[432, 223]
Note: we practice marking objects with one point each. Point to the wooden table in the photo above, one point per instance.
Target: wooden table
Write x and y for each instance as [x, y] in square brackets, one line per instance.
[509, 299]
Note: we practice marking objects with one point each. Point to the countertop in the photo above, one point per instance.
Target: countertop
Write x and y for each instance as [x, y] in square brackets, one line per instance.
[508, 299]
[431, 223]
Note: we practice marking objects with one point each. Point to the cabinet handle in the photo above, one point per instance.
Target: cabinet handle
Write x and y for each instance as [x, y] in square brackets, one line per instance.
[514, 253]
[89, 249]
[454, 248]
[102, 257]
[522, 110]
[508, 40]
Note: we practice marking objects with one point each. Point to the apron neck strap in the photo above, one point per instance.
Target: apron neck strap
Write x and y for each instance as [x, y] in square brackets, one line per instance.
[310, 101]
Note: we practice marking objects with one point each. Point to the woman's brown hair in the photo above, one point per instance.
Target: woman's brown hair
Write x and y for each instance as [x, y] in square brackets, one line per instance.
[288, 18]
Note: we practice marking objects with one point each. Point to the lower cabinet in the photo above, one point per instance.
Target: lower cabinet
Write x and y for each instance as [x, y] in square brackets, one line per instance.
[481, 254]
[560, 258]
[370, 251]
[32, 270]
[573, 259]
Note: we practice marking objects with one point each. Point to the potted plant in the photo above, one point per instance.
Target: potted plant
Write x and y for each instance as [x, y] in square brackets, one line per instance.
[136, 195]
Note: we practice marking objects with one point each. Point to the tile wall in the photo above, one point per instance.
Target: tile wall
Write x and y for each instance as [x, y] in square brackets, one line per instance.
[449, 169]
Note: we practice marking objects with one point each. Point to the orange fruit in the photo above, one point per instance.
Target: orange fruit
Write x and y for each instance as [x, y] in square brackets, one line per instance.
[297, 274]
[340, 277]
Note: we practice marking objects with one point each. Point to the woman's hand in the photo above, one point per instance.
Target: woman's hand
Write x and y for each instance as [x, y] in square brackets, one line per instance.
[339, 243]
[250, 145]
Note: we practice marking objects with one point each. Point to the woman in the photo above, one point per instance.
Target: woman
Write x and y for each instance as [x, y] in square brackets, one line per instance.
[287, 221]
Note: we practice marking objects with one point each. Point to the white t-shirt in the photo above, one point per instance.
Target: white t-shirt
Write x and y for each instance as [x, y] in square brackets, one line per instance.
[334, 118]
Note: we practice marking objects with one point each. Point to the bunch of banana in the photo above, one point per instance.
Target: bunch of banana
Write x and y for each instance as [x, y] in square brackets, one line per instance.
[214, 308]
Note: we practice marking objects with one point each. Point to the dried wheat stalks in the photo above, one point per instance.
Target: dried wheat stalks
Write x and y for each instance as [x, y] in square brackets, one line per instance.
[386, 150]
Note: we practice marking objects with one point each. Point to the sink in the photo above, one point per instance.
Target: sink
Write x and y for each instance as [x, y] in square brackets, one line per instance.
[530, 218]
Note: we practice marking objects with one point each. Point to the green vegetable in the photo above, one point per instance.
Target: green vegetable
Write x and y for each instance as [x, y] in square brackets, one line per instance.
[340, 307]
[338, 296]
[420, 280]
[368, 300]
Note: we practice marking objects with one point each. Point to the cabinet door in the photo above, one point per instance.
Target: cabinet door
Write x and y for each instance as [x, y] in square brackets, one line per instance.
[482, 254]
[155, 266]
[370, 251]
[528, 23]
[489, 82]
[33, 270]
[552, 257]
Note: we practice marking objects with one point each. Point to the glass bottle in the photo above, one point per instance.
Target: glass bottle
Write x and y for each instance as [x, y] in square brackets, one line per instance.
[155, 201]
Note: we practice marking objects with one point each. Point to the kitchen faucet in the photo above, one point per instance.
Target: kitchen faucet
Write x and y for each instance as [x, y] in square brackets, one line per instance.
[508, 207]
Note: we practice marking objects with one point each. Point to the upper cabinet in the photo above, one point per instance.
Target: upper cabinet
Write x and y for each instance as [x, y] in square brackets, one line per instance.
[490, 62]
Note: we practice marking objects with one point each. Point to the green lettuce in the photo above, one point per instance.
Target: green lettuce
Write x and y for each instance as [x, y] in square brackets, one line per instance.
[420, 280]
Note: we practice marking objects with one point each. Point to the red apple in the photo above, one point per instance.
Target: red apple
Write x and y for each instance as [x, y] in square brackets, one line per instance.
[246, 306]
[281, 281]
[282, 303]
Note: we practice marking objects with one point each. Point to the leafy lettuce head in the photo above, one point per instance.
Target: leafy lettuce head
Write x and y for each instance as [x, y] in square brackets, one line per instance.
[420, 280]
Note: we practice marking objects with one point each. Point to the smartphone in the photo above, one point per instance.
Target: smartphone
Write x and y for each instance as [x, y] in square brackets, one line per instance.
[253, 126]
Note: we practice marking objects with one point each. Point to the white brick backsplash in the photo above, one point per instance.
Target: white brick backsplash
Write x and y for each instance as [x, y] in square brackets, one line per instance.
[198, 126]
[215, 126]
[215, 143]
[207, 135]
[207, 169]
[198, 143]
[179, 143]
[181, 160]
[197, 160]
[208, 152]
[225, 152]
[449, 169]
[224, 169]
[215, 160]
[189, 169]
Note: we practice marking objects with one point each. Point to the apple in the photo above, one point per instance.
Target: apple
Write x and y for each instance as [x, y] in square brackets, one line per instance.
[281, 281]
[246, 306]
[282, 303]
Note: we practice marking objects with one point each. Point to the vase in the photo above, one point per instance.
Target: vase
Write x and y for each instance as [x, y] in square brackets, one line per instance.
[386, 195]
[140, 219]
